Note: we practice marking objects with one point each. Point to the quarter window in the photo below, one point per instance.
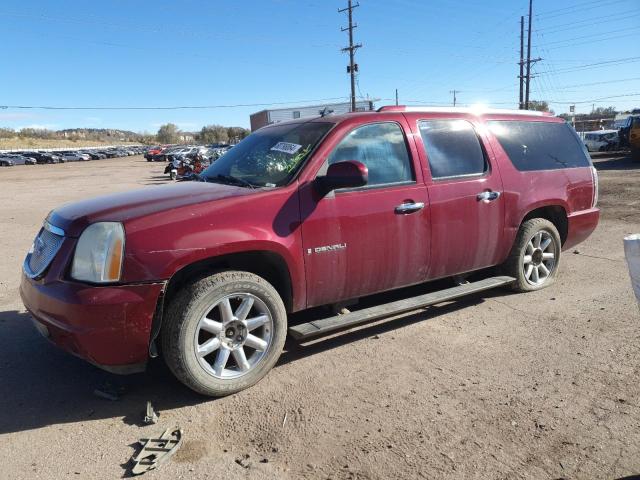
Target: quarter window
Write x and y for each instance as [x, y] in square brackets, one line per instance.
[540, 145]
[453, 148]
[382, 148]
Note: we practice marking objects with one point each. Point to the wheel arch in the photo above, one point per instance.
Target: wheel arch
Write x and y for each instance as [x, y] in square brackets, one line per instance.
[267, 264]
[556, 214]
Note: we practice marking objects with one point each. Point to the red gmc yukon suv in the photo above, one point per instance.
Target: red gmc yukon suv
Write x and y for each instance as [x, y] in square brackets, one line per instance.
[302, 214]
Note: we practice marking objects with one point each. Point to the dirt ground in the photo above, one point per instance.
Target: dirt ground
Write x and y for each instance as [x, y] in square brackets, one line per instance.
[496, 386]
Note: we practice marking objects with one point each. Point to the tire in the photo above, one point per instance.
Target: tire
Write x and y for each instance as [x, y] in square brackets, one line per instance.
[194, 323]
[528, 245]
[635, 155]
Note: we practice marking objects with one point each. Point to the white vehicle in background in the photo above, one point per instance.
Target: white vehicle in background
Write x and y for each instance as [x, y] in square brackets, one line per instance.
[601, 140]
[75, 157]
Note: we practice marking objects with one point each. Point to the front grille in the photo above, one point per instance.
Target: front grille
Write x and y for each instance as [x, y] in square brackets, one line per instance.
[45, 247]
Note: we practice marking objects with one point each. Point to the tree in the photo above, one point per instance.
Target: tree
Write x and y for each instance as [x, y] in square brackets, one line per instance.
[214, 134]
[604, 112]
[7, 133]
[539, 105]
[168, 133]
[236, 134]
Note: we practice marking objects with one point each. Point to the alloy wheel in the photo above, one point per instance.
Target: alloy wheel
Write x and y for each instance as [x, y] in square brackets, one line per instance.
[233, 336]
[539, 259]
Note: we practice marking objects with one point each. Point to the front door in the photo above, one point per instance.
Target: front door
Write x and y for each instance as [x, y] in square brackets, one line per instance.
[373, 238]
[465, 192]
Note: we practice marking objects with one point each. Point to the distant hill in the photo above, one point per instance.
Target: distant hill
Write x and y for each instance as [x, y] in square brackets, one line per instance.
[103, 134]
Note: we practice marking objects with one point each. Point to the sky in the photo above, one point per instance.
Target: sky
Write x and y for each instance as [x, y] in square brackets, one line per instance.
[223, 53]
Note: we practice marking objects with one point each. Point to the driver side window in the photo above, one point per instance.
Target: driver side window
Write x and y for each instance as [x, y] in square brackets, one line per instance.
[382, 148]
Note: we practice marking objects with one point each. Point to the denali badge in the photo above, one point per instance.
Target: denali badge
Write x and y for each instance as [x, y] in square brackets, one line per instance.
[327, 248]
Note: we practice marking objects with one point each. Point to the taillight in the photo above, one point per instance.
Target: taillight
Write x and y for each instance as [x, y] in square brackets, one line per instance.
[594, 177]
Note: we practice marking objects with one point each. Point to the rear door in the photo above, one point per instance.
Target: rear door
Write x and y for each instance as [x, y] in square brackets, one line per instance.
[374, 238]
[465, 194]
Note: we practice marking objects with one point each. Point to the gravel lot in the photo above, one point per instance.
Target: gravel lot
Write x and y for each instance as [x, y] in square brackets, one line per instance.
[540, 385]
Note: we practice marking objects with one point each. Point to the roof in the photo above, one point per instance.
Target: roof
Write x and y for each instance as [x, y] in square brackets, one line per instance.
[468, 110]
[380, 113]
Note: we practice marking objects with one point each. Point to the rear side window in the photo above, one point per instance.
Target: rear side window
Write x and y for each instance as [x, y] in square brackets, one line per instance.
[382, 148]
[540, 145]
[453, 148]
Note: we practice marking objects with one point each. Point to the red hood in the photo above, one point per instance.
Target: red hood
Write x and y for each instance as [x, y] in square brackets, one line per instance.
[73, 218]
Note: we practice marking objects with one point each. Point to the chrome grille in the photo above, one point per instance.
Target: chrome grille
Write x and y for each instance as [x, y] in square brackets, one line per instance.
[45, 247]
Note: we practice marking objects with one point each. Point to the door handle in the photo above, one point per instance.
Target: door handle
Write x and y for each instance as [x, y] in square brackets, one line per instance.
[409, 207]
[488, 196]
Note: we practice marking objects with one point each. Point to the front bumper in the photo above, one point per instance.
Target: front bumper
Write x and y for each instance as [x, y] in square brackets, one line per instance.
[581, 224]
[109, 326]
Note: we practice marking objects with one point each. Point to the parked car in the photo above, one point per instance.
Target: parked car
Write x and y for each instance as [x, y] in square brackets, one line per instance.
[151, 152]
[634, 138]
[6, 161]
[91, 154]
[21, 159]
[108, 153]
[629, 135]
[163, 155]
[44, 158]
[73, 157]
[601, 140]
[303, 214]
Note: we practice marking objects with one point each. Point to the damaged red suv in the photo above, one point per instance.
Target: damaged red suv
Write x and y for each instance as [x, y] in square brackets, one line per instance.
[303, 214]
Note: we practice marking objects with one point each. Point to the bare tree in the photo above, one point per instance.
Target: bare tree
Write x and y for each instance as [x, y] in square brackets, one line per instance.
[168, 133]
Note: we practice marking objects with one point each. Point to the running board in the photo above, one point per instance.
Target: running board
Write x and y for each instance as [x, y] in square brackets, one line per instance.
[323, 326]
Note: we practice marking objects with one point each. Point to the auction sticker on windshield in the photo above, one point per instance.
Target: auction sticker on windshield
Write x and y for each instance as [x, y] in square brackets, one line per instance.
[285, 147]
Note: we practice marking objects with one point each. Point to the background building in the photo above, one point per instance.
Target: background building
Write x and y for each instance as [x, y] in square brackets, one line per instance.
[267, 117]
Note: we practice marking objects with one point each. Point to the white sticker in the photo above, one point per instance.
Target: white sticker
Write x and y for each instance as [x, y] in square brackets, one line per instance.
[290, 148]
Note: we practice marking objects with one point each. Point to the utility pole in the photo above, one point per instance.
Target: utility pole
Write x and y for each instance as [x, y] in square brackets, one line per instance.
[353, 67]
[526, 101]
[521, 76]
[455, 99]
[397, 103]
[530, 60]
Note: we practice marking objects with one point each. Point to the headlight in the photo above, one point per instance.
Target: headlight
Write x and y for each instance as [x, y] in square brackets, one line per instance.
[99, 253]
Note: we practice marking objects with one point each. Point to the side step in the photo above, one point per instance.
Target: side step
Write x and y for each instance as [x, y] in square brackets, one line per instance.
[323, 326]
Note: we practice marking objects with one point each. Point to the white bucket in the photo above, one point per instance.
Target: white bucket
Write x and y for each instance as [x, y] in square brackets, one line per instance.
[632, 252]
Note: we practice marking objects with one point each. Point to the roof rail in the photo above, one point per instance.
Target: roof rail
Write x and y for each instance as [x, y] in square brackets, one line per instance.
[471, 110]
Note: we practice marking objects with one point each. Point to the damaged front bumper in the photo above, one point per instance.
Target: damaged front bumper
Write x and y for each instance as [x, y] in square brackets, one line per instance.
[109, 326]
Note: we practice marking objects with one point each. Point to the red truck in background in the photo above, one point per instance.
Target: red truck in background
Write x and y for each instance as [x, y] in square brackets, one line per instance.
[302, 214]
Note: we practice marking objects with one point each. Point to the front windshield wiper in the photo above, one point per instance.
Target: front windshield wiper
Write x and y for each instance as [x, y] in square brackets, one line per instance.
[230, 179]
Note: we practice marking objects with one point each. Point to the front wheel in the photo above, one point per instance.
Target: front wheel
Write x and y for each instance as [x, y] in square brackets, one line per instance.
[224, 333]
[535, 256]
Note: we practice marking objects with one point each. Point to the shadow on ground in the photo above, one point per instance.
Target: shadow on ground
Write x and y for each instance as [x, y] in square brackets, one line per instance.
[41, 385]
[616, 163]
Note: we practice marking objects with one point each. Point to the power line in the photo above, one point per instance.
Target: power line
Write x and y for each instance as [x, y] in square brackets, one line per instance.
[608, 63]
[575, 8]
[601, 83]
[591, 35]
[594, 41]
[180, 107]
[551, 30]
[623, 16]
[599, 99]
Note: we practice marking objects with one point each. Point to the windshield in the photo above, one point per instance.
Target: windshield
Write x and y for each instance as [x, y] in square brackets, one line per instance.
[269, 157]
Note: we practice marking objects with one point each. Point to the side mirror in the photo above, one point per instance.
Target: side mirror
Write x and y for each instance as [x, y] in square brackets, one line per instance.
[348, 174]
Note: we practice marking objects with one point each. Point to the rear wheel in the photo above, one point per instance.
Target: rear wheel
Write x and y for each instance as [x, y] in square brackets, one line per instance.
[535, 256]
[224, 333]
